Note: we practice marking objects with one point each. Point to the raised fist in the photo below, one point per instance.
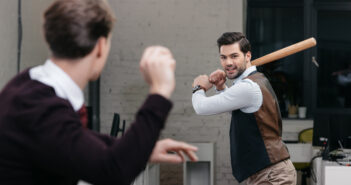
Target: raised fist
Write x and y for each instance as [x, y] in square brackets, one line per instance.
[157, 66]
[203, 81]
[218, 78]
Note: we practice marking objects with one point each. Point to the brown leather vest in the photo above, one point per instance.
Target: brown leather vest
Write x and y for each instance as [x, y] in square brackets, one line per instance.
[255, 138]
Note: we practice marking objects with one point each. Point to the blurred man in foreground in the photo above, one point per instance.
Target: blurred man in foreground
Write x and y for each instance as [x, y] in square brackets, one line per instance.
[42, 139]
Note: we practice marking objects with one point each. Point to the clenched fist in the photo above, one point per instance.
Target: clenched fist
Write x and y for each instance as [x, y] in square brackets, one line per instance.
[203, 81]
[218, 78]
[157, 66]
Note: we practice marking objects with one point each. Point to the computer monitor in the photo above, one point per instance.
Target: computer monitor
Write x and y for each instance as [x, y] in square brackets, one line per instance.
[335, 126]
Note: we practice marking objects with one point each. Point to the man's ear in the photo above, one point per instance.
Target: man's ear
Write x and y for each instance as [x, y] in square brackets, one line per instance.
[248, 56]
[99, 57]
[100, 46]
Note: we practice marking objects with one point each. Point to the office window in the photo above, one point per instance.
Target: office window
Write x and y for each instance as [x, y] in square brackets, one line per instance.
[334, 48]
[271, 28]
[273, 24]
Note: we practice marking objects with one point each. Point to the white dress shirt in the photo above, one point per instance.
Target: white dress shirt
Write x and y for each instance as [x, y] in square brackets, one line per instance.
[52, 75]
[244, 94]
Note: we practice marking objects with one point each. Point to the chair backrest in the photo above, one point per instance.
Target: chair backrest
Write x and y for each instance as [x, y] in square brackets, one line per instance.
[306, 136]
[115, 125]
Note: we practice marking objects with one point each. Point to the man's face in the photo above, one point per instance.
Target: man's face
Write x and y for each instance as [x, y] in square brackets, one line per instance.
[233, 61]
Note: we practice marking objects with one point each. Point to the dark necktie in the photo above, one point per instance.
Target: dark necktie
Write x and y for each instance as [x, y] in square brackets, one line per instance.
[83, 116]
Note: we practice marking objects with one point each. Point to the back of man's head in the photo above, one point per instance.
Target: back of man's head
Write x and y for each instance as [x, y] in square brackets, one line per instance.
[229, 38]
[73, 27]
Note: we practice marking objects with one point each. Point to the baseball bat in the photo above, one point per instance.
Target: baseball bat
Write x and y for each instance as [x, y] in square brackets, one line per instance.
[292, 49]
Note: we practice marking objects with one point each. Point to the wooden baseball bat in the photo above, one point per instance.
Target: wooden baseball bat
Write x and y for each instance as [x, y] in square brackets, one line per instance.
[300, 46]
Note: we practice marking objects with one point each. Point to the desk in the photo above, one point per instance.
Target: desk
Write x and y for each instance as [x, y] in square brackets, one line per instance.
[292, 128]
[300, 152]
[331, 173]
[337, 175]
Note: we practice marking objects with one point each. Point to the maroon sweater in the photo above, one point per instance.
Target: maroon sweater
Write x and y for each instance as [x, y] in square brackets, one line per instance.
[42, 140]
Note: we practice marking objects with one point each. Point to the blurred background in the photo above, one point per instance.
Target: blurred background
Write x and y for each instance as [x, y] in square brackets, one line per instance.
[310, 97]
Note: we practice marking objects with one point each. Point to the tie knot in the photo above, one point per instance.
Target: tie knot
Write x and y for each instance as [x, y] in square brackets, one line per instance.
[83, 116]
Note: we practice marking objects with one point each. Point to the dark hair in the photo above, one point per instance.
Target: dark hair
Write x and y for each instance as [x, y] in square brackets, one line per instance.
[72, 27]
[233, 37]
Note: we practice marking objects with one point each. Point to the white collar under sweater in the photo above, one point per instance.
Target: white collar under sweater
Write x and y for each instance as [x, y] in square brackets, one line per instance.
[52, 75]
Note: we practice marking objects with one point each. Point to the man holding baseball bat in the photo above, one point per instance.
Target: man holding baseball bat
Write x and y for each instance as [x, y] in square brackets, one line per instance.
[258, 153]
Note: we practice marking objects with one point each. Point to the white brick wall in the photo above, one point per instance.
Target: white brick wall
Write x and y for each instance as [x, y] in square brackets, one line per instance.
[34, 49]
[8, 44]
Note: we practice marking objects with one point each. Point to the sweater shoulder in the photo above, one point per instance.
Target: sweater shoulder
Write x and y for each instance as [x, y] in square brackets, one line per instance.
[22, 87]
[29, 98]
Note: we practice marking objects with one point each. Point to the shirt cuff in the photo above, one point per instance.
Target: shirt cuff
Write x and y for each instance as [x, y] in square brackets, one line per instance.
[202, 91]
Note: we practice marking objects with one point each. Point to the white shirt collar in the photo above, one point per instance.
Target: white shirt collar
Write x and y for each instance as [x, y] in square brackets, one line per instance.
[52, 75]
[245, 73]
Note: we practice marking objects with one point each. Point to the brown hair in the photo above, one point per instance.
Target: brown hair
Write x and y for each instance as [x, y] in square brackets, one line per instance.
[233, 37]
[72, 27]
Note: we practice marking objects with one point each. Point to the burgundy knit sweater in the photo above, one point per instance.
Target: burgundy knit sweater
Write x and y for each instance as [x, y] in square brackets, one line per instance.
[42, 141]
